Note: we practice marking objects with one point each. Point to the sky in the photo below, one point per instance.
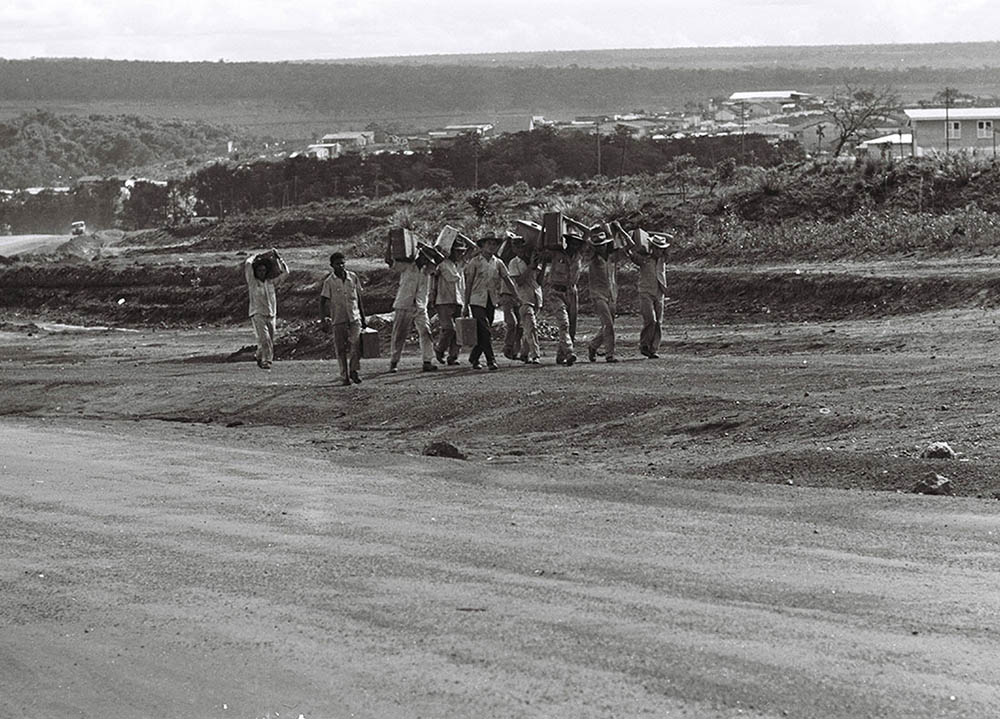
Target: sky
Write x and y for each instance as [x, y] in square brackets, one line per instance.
[274, 30]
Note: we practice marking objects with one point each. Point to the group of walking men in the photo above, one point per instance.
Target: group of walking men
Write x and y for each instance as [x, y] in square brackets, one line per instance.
[461, 285]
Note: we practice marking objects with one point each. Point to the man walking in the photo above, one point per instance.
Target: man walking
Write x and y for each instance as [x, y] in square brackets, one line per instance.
[410, 310]
[485, 274]
[450, 300]
[652, 265]
[602, 271]
[564, 273]
[344, 316]
[260, 271]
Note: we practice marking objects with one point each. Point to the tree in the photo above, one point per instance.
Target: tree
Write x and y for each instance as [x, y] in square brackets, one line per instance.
[857, 110]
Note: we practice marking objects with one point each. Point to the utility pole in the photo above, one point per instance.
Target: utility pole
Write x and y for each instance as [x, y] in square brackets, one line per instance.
[597, 125]
[743, 128]
[947, 120]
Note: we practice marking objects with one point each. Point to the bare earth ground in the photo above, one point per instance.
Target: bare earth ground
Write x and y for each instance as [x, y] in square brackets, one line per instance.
[189, 537]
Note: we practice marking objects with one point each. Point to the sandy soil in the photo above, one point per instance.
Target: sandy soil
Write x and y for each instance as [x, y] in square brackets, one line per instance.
[25, 244]
[185, 536]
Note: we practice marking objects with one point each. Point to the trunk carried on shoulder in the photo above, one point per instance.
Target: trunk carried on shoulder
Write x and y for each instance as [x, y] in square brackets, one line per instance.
[402, 244]
[553, 229]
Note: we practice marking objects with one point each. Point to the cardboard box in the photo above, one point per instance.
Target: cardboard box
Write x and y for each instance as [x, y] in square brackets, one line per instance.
[369, 343]
[402, 244]
[465, 329]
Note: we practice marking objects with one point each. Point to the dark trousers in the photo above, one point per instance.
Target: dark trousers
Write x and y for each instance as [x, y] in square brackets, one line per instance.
[484, 343]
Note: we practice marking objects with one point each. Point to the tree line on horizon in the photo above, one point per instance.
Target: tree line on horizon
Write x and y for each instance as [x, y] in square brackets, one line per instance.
[436, 89]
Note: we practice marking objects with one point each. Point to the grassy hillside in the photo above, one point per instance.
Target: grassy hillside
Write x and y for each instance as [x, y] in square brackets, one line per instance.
[41, 148]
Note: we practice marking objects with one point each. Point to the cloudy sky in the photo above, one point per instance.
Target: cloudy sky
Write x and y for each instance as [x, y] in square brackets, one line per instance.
[305, 29]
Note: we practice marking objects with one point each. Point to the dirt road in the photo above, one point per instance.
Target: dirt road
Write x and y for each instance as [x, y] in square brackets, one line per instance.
[158, 570]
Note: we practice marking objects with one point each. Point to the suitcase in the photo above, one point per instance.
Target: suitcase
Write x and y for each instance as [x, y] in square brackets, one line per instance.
[369, 343]
[553, 229]
[270, 261]
[465, 329]
[402, 244]
[531, 232]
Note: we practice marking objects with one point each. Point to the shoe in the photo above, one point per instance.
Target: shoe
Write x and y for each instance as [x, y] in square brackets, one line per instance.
[492, 367]
[560, 359]
[452, 361]
[644, 352]
[653, 355]
[591, 354]
[393, 367]
[265, 365]
[260, 362]
[534, 360]
[355, 378]
[439, 356]
[611, 359]
[523, 358]
[429, 367]
[570, 360]
[475, 364]
[345, 383]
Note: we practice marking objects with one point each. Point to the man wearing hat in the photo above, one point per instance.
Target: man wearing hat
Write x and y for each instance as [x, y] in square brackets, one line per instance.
[485, 275]
[524, 268]
[652, 264]
[450, 300]
[564, 274]
[602, 271]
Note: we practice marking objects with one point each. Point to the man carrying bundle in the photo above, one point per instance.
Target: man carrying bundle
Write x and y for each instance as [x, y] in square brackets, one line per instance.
[485, 275]
[260, 271]
[343, 315]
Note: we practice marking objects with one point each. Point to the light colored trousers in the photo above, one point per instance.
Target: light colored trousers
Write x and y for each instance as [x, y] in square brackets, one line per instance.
[529, 332]
[263, 325]
[512, 325]
[447, 344]
[560, 308]
[605, 312]
[651, 309]
[401, 322]
[347, 344]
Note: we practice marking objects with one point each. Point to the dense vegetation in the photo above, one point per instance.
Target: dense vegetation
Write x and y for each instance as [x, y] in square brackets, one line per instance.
[381, 90]
[536, 158]
[42, 148]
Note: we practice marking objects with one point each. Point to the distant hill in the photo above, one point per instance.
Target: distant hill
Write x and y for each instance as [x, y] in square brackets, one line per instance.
[41, 148]
[301, 101]
[872, 57]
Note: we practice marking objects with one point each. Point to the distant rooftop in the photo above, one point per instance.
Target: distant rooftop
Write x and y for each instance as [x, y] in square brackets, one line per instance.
[768, 95]
[955, 113]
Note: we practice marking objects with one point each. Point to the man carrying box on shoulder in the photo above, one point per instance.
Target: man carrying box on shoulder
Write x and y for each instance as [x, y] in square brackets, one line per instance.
[260, 271]
[343, 315]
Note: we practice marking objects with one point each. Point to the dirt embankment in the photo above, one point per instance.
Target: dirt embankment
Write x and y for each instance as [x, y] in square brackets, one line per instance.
[182, 294]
